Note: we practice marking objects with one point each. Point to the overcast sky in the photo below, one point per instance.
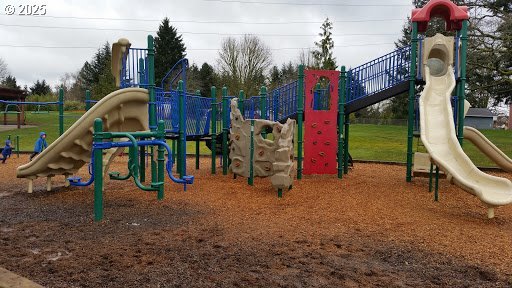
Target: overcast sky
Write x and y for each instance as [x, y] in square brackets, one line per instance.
[356, 40]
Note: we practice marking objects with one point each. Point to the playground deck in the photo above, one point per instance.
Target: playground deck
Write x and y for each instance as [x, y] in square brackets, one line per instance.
[372, 230]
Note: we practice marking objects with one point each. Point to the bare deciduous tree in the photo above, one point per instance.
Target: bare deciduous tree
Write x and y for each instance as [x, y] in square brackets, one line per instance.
[4, 71]
[243, 63]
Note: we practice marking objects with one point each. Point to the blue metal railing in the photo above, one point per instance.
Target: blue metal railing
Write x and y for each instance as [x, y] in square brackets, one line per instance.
[379, 74]
[198, 116]
[282, 101]
[182, 64]
[134, 70]
[167, 109]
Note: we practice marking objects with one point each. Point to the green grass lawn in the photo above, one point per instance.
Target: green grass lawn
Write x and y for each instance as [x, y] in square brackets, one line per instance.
[367, 142]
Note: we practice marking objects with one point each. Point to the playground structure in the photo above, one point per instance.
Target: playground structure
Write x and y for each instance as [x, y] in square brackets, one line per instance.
[252, 155]
[320, 101]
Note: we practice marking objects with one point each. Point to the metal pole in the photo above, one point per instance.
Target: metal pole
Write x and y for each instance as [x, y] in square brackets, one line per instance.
[436, 192]
[345, 145]
[300, 117]
[182, 141]
[87, 100]
[225, 130]
[412, 92]
[198, 93]
[161, 160]
[341, 118]
[18, 146]
[263, 107]
[250, 181]
[98, 171]
[61, 111]
[151, 83]
[430, 177]
[213, 92]
[142, 164]
[462, 94]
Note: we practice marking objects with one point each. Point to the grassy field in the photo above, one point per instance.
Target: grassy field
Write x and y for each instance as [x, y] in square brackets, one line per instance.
[367, 142]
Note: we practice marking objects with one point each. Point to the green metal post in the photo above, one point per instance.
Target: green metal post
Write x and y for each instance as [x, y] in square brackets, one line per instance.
[300, 117]
[161, 160]
[462, 95]
[263, 107]
[61, 111]
[341, 118]
[151, 83]
[345, 145]
[87, 100]
[436, 192]
[430, 177]
[142, 163]
[98, 171]
[213, 92]
[198, 93]
[241, 98]
[225, 130]
[18, 146]
[412, 92]
[279, 193]
[182, 151]
[154, 170]
[250, 181]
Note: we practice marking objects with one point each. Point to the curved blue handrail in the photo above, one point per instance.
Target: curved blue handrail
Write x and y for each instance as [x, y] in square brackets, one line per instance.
[184, 65]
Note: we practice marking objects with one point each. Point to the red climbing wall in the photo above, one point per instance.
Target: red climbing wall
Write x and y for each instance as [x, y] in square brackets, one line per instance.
[320, 133]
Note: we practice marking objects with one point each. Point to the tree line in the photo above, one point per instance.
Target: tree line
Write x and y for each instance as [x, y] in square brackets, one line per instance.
[246, 63]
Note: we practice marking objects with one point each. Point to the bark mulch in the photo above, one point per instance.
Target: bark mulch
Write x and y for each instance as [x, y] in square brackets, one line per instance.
[369, 229]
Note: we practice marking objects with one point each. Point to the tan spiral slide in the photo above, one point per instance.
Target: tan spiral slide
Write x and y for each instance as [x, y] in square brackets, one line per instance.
[488, 148]
[124, 110]
[438, 136]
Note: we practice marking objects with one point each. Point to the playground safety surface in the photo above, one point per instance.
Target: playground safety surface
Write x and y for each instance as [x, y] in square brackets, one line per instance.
[369, 229]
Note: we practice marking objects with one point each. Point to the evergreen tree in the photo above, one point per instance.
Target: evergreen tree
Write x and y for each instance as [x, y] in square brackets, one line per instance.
[207, 79]
[323, 55]
[10, 82]
[40, 88]
[169, 49]
[96, 75]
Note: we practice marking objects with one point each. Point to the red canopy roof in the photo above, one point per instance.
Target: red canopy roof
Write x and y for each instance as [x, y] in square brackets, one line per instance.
[446, 9]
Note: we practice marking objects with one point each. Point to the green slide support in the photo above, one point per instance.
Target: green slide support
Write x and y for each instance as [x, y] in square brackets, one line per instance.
[161, 160]
[412, 93]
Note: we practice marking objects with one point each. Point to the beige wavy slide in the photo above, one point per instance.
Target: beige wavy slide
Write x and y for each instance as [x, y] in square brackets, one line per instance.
[438, 136]
[124, 110]
[488, 148]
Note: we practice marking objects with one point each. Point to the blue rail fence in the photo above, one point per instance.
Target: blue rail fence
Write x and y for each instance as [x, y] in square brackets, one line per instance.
[283, 101]
[167, 109]
[134, 70]
[379, 74]
[198, 116]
